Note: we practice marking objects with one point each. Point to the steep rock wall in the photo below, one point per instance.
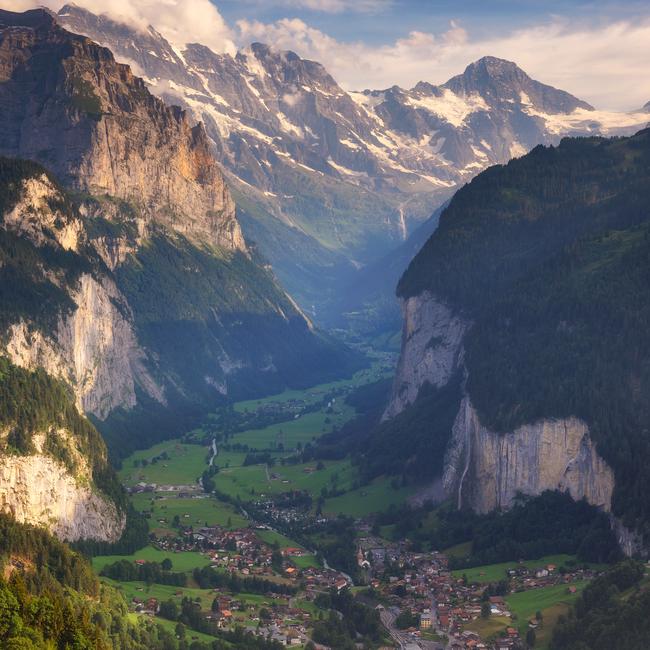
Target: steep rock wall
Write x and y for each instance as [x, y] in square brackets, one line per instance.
[486, 470]
[93, 349]
[69, 105]
[432, 338]
[68, 510]
[37, 489]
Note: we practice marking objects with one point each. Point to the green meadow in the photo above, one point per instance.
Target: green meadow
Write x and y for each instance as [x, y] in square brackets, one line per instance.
[373, 497]
[496, 572]
[248, 483]
[181, 561]
[199, 511]
[186, 463]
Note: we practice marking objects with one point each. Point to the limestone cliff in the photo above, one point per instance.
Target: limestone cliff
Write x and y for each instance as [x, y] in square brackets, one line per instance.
[54, 469]
[548, 258]
[68, 506]
[92, 345]
[148, 289]
[486, 470]
[69, 105]
[431, 349]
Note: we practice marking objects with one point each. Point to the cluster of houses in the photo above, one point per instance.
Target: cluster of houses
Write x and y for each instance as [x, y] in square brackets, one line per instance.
[445, 604]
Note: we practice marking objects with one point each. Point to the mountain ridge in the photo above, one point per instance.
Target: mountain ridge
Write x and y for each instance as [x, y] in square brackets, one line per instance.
[152, 260]
[343, 176]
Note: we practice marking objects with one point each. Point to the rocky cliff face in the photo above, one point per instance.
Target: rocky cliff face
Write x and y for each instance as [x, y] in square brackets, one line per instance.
[150, 269]
[93, 346]
[485, 470]
[68, 506]
[93, 349]
[431, 352]
[97, 127]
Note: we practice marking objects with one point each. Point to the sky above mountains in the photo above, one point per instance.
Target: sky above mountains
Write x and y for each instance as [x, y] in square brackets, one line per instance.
[599, 51]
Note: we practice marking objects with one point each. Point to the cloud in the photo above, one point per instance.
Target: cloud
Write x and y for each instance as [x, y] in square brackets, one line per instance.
[605, 65]
[180, 21]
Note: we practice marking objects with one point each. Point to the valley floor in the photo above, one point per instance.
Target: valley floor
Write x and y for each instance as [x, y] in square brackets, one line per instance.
[260, 540]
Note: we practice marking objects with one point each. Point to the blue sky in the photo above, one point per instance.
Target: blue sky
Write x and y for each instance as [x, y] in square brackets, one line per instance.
[383, 21]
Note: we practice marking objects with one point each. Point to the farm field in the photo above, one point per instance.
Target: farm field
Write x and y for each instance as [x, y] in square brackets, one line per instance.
[182, 561]
[185, 464]
[202, 510]
[496, 572]
[551, 601]
[252, 481]
[303, 429]
[272, 537]
[374, 497]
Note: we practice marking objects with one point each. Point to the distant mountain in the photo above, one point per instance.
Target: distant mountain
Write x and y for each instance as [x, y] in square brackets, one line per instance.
[534, 290]
[125, 273]
[328, 180]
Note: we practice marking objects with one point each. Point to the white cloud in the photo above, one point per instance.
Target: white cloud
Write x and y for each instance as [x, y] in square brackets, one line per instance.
[605, 65]
[180, 21]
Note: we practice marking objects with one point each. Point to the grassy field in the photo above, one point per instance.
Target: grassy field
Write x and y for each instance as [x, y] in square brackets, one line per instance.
[254, 480]
[272, 537]
[374, 497]
[184, 561]
[186, 463]
[489, 627]
[200, 511]
[317, 393]
[551, 601]
[496, 572]
[305, 562]
[303, 429]
[190, 635]
[460, 550]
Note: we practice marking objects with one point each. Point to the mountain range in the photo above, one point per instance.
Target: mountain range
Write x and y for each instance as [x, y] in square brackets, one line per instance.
[328, 181]
[124, 270]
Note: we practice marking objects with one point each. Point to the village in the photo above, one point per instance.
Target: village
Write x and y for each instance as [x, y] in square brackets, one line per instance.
[429, 601]
[250, 546]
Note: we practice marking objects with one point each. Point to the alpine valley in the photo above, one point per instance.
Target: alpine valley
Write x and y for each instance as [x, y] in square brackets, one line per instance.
[210, 437]
[329, 181]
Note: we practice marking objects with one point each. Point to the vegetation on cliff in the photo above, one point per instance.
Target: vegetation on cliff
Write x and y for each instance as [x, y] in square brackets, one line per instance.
[549, 256]
[611, 613]
[31, 403]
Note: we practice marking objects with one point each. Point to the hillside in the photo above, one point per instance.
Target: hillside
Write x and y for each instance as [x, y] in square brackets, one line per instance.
[126, 245]
[535, 284]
